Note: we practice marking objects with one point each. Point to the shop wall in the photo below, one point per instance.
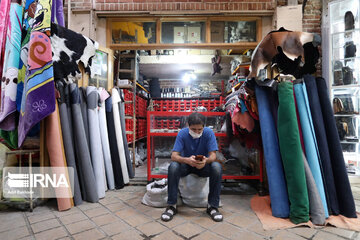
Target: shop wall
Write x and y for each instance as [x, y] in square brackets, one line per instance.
[172, 5]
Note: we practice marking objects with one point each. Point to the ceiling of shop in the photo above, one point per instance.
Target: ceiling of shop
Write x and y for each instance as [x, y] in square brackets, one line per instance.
[173, 67]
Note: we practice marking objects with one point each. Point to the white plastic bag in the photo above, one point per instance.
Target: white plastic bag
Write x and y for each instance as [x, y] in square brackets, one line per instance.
[156, 196]
[194, 190]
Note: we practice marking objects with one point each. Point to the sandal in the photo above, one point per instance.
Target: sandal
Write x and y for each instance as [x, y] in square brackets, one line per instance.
[170, 211]
[213, 212]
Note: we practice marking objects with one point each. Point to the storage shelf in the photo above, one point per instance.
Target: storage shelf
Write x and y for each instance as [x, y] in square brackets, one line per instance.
[347, 142]
[346, 86]
[174, 134]
[138, 139]
[345, 59]
[346, 115]
[348, 31]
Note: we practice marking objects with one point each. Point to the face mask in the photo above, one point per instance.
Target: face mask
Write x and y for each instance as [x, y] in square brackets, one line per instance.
[194, 134]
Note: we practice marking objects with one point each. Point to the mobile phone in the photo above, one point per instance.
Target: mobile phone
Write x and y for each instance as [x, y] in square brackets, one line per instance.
[199, 157]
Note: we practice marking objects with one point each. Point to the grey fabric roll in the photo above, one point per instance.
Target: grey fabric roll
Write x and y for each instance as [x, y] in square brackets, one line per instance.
[119, 137]
[86, 173]
[83, 106]
[97, 160]
[105, 139]
[68, 141]
[317, 211]
[123, 128]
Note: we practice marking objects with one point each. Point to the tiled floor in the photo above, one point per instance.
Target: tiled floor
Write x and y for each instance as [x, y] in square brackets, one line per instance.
[120, 215]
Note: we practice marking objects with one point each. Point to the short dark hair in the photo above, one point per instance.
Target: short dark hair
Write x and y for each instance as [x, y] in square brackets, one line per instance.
[196, 118]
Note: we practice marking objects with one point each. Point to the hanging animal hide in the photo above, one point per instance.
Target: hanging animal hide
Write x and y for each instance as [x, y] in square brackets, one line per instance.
[69, 48]
[292, 44]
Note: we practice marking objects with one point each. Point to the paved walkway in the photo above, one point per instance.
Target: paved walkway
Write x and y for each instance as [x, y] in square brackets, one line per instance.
[122, 216]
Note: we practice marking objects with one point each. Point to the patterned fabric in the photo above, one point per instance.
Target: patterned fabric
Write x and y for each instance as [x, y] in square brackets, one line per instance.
[4, 18]
[38, 99]
[29, 14]
[10, 69]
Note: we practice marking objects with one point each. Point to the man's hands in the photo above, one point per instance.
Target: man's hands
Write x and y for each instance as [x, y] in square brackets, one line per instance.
[196, 163]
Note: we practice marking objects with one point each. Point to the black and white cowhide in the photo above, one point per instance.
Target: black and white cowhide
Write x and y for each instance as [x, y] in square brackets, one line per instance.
[69, 48]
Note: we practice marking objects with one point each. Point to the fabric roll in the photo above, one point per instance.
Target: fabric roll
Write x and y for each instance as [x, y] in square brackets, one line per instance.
[116, 101]
[38, 99]
[56, 153]
[115, 158]
[325, 162]
[105, 139]
[310, 144]
[11, 67]
[123, 128]
[86, 172]
[317, 211]
[83, 106]
[291, 154]
[95, 145]
[57, 14]
[274, 168]
[342, 184]
[68, 140]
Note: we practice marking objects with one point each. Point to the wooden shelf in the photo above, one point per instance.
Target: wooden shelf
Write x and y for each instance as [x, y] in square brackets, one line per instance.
[126, 70]
[125, 86]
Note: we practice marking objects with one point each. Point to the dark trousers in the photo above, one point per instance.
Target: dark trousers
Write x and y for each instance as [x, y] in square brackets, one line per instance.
[178, 170]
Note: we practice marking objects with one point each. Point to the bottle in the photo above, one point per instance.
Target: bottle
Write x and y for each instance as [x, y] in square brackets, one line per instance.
[156, 165]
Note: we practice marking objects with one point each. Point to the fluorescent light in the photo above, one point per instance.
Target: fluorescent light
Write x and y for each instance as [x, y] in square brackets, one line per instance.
[189, 76]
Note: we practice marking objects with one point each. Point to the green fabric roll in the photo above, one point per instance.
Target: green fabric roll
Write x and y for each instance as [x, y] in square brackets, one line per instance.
[10, 138]
[291, 153]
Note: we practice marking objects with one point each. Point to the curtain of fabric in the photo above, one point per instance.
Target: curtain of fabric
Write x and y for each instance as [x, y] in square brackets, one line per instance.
[308, 131]
[325, 163]
[273, 163]
[39, 90]
[291, 154]
[11, 68]
[4, 19]
[342, 184]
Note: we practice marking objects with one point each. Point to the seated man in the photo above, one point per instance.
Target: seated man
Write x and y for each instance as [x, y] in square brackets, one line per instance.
[192, 141]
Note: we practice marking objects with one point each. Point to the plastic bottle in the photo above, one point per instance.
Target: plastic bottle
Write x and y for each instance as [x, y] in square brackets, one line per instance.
[156, 165]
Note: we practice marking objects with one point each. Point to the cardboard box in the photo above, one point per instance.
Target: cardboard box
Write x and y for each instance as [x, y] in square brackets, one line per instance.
[179, 35]
[217, 32]
[194, 34]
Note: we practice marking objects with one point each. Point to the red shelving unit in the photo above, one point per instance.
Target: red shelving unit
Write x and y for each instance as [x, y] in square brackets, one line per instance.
[166, 121]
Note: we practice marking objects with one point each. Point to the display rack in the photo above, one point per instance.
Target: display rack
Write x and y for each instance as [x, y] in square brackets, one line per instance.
[345, 75]
[162, 124]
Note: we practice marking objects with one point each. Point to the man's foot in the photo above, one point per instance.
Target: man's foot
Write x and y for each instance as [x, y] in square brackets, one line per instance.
[214, 214]
[169, 213]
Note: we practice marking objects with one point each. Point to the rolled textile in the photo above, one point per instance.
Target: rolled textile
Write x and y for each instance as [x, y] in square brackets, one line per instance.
[11, 67]
[343, 189]
[54, 144]
[38, 99]
[95, 145]
[86, 172]
[119, 181]
[83, 106]
[291, 154]
[325, 162]
[125, 142]
[273, 163]
[68, 140]
[118, 131]
[105, 139]
[317, 211]
[310, 144]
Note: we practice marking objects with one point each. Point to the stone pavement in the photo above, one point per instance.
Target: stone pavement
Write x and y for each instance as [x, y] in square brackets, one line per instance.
[120, 215]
